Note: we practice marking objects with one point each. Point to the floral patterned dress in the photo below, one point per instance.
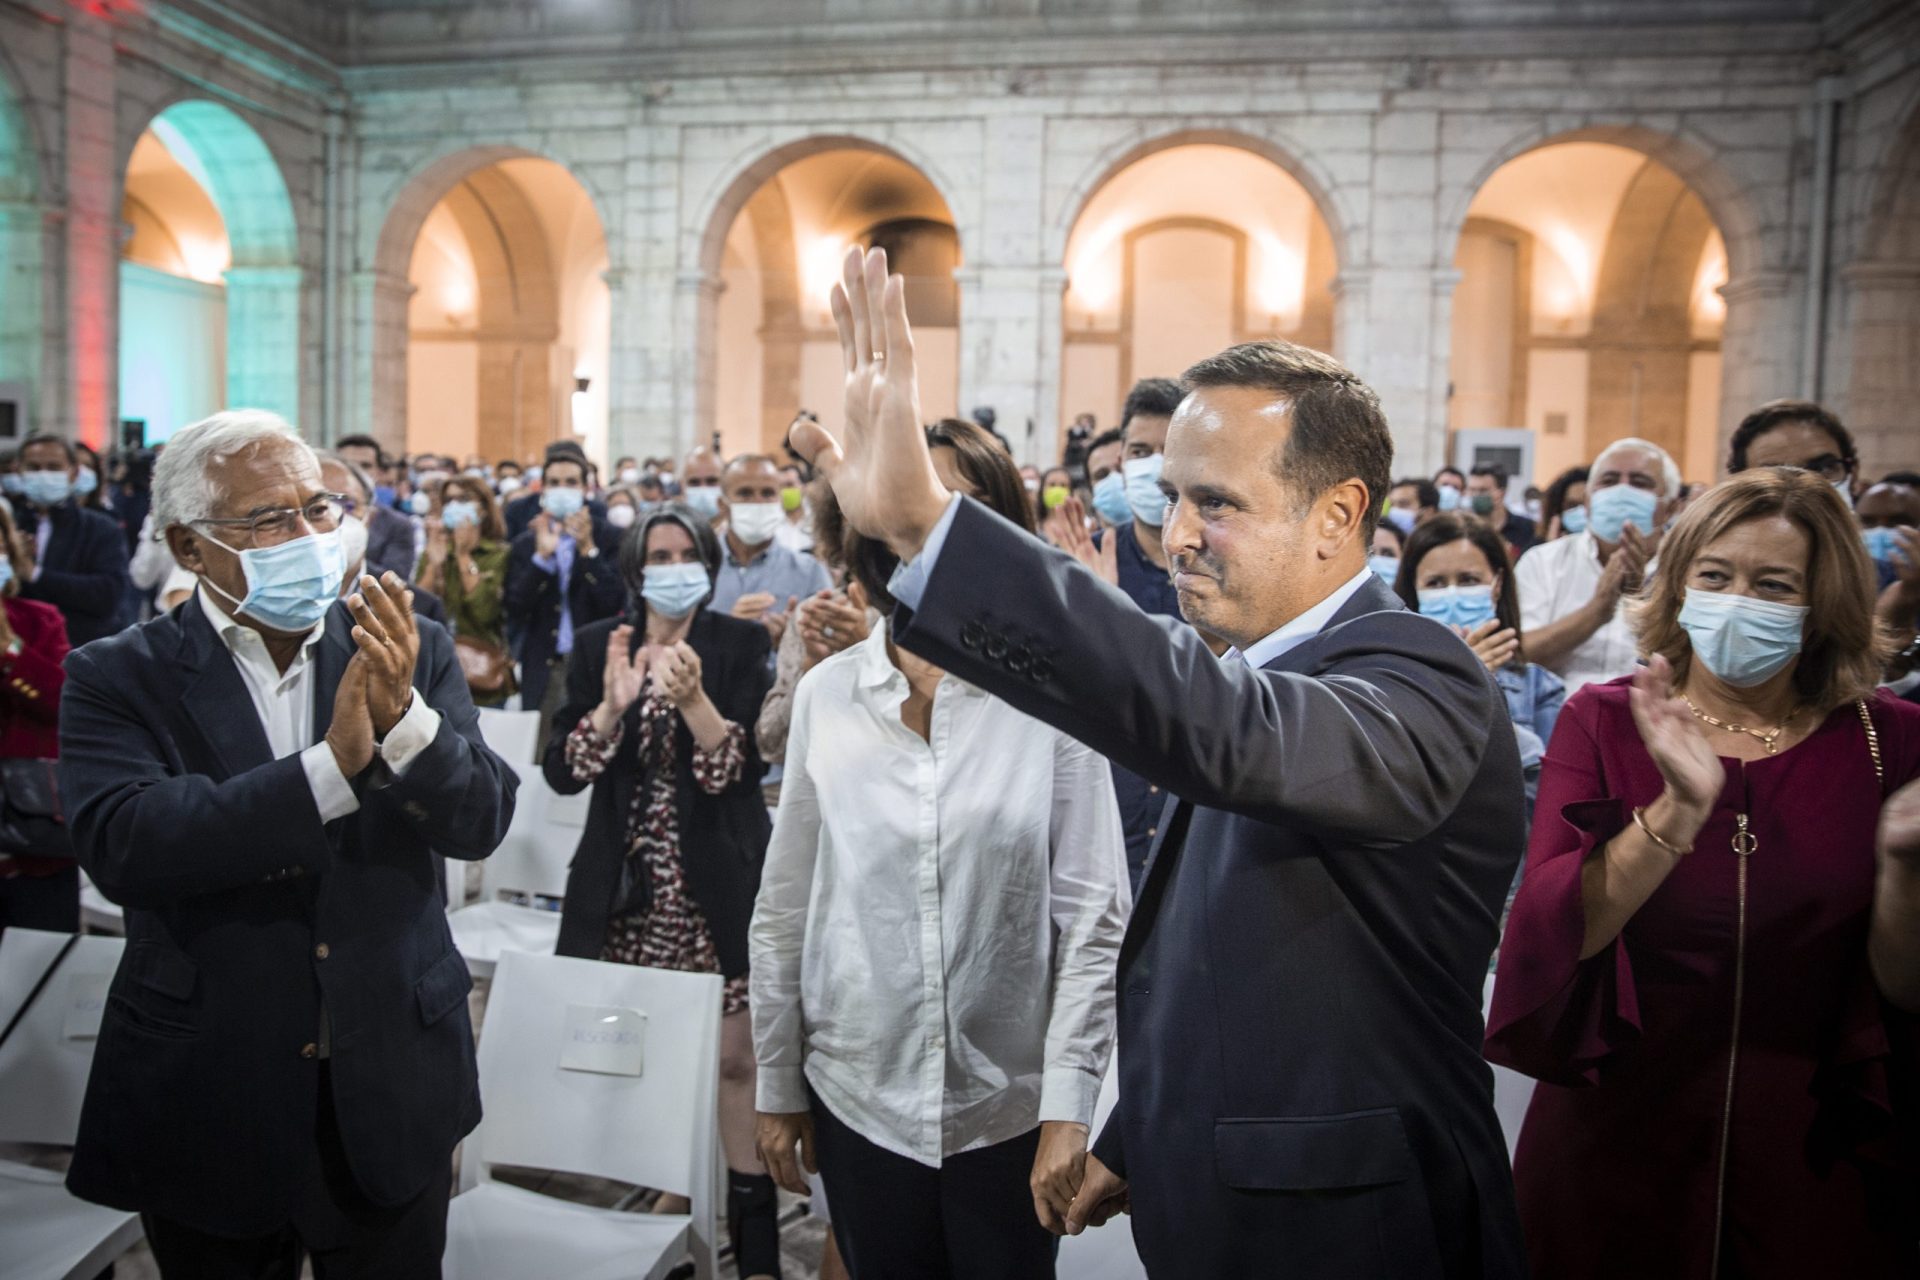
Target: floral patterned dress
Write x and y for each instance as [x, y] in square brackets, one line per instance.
[671, 932]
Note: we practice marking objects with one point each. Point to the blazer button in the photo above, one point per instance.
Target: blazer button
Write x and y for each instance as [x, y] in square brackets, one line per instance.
[1020, 660]
[1040, 671]
[1152, 832]
[972, 636]
[309, 1050]
[996, 648]
[322, 951]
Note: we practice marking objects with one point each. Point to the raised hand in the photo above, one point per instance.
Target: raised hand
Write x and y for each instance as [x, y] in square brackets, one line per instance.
[1493, 644]
[753, 606]
[881, 471]
[546, 535]
[437, 543]
[466, 538]
[580, 525]
[390, 642]
[1686, 760]
[350, 735]
[1066, 528]
[677, 668]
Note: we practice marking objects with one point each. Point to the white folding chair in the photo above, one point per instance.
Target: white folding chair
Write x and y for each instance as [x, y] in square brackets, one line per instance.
[531, 863]
[513, 735]
[45, 1232]
[97, 914]
[562, 1042]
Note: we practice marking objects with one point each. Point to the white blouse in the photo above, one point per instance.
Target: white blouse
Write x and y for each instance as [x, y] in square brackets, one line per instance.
[938, 928]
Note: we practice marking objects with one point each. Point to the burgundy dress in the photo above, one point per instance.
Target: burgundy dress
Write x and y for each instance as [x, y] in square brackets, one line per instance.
[1642, 1068]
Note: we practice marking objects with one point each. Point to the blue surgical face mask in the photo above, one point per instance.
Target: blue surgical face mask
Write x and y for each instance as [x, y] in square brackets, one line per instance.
[11, 483]
[383, 494]
[1881, 546]
[1573, 520]
[1144, 499]
[457, 513]
[1467, 607]
[1449, 498]
[1110, 499]
[1386, 567]
[291, 585]
[85, 481]
[704, 499]
[675, 590]
[561, 503]
[420, 502]
[1402, 519]
[1612, 509]
[46, 488]
[1743, 641]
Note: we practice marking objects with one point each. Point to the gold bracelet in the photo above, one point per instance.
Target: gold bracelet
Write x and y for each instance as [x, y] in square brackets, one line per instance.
[1640, 821]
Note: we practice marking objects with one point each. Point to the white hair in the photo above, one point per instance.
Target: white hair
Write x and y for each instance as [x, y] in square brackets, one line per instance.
[1669, 470]
[183, 486]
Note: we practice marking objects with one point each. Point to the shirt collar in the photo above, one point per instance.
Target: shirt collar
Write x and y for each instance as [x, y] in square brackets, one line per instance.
[233, 633]
[876, 669]
[1304, 627]
[768, 550]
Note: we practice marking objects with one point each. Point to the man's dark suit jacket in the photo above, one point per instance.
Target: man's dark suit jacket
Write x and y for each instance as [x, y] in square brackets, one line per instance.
[83, 572]
[1301, 1087]
[389, 542]
[244, 912]
[531, 601]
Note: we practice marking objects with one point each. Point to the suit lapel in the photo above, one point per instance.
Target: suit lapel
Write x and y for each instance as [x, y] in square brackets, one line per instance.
[216, 698]
[331, 656]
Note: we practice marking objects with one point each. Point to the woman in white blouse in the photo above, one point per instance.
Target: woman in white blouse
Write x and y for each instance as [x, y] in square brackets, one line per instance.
[934, 946]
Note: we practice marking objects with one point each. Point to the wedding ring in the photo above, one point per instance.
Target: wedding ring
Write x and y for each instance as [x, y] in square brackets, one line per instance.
[829, 632]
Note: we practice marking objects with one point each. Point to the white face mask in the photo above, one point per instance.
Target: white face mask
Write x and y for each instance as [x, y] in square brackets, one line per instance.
[353, 541]
[620, 515]
[756, 522]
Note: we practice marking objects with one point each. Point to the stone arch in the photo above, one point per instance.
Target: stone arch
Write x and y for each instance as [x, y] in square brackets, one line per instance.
[733, 194]
[382, 323]
[228, 157]
[1295, 160]
[22, 327]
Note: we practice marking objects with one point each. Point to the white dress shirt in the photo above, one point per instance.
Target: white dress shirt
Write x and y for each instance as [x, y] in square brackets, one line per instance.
[284, 701]
[935, 943]
[1555, 579]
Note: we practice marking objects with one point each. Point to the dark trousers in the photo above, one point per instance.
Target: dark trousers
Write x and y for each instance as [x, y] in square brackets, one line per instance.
[347, 1237]
[42, 902]
[896, 1219]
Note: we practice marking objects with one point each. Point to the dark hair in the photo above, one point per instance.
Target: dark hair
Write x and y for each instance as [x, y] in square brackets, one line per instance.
[1399, 538]
[1493, 471]
[564, 449]
[506, 462]
[360, 477]
[633, 549]
[1450, 471]
[1911, 479]
[1778, 413]
[1554, 502]
[44, 437]
[1449, 527]
[1426, 492]
[1339, 431]
[573, 456]
[984, 464]
[1152, 398]
[1112, 435]
[362, 442]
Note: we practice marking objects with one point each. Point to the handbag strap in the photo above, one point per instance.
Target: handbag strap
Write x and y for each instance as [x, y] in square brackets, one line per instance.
[73, 939]
[1873, 741]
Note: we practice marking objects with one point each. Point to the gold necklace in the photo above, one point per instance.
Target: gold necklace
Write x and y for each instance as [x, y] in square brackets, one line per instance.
[1769, 738]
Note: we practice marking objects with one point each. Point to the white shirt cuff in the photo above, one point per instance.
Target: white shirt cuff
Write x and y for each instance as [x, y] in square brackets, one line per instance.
[407, 739]
[780, 1090]
[1068, 1093]
[909, 581]
[332, 793]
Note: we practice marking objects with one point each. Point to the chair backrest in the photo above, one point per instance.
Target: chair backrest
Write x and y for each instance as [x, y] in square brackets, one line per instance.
[44, 1063]
[532, 857]
[550, 1021]
[513, 735]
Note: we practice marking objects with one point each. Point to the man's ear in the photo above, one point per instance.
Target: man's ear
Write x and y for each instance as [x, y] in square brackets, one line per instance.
[185, 545]
[1340, 514]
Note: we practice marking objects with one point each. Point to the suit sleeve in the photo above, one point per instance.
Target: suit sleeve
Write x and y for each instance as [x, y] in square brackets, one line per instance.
[776, 940]
[97, 580]
[456, 792]
[528, 585]
[1375, 749]
[31, 680]
[150, 837]
[598, 591]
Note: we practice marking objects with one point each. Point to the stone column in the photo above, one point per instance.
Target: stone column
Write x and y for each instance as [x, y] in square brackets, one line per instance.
[378, 311]
[694, 376]
[1003, 306]
[93, 232]
[1759, 347]
[1883, 388]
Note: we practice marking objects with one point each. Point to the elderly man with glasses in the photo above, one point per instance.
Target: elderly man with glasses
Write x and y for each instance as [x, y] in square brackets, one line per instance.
[261, 779]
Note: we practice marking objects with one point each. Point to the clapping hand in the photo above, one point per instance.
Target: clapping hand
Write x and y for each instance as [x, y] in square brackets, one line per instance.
[546, 536]
[1066, 528]
[830, 622]
[677, 669]
[390, 642]
[1686, 760]
[438, 541]
[880, 468]
[466, 537]
[624, 675]
[1494, 644]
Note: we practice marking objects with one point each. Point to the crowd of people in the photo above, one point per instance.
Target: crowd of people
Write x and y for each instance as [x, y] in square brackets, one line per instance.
[867, 736]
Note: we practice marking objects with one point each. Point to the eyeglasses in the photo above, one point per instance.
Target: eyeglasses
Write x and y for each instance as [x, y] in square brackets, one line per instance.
[1830, 467]
[272, 525]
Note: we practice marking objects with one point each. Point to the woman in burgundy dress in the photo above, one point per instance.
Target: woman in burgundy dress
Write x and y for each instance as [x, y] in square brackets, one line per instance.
[1714, 958]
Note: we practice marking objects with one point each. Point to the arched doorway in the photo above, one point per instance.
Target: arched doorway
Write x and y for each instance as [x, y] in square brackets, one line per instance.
[773, 346]
[209, 274]
[1181, 252]
[21, 319]
[503, 347]
[1588, 307]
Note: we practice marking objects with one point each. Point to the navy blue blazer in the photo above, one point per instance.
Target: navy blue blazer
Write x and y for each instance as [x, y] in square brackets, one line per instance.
[531, 601]
[244, 912]
[1301, 1086]
[83, 571]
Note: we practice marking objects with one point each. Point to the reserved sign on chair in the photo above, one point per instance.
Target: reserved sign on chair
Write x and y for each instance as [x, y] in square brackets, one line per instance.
[606, 1040]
